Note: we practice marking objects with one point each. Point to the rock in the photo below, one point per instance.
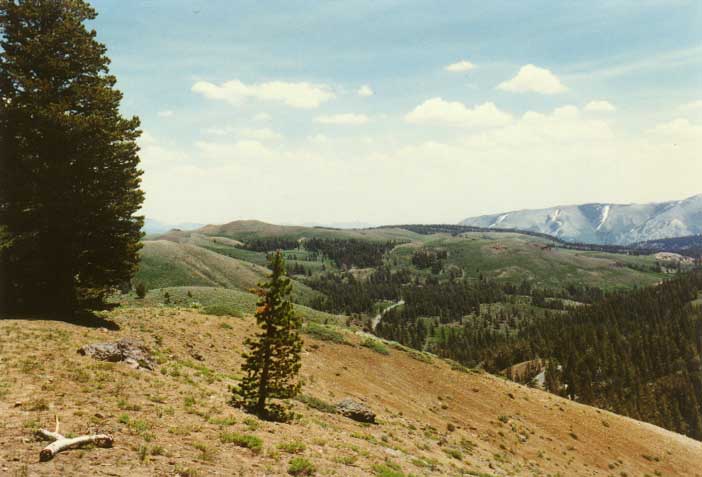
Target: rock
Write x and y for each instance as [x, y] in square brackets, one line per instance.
[132, 352]
[355, 410]
[194, 353]
[392, 452]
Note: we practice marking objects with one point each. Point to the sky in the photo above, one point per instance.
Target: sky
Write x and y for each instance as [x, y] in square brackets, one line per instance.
[389, 112]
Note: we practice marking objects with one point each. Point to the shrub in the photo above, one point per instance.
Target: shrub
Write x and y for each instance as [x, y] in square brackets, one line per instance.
[242, 440]
[222, 421]
[143, 453]
[207, 453]
[323, 333]
[388, 469]
[375, 345]
[251, 423]
[185, 471]
[420, 356]
[222, 310]
[293, 447]
[140, 290]
[317, 404]
[455, 453]
[301, 466]
[157, 450]
[456, 366]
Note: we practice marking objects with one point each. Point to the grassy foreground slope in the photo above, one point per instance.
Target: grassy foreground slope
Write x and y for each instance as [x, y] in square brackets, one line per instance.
[433, 420]
[170, 264]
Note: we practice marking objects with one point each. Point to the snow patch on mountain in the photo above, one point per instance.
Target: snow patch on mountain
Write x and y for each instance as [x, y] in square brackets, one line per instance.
[499, 220]
[605, 214]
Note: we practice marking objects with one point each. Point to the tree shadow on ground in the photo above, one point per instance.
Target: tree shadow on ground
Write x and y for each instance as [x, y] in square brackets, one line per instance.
[87, 319]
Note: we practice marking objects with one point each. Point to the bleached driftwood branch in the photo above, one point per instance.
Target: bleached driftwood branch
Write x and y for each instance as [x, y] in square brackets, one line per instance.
[61, 443]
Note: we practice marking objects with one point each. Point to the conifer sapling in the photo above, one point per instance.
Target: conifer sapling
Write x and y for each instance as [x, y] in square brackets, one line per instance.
[272, 360]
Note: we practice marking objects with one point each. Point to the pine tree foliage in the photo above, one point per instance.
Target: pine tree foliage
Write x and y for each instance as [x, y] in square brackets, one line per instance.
[272, 361]
[69, 176]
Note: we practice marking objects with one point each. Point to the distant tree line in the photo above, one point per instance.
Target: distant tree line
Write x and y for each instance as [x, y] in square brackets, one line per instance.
[270, 244]
[343, 293]
[347, 253]
[690, 245]
[636, 353]
[428, 258]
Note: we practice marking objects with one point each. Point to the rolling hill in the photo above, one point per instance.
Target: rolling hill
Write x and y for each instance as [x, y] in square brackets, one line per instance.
[514, 257]
[615, 224]
[511, 257]
[249, 229]
[165, 263]
[177, 421]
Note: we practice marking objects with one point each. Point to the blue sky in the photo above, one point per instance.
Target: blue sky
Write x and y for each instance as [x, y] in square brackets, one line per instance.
[256, 109]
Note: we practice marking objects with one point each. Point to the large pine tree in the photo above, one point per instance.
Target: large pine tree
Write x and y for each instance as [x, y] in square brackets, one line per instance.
[69, 176]
[272, 362]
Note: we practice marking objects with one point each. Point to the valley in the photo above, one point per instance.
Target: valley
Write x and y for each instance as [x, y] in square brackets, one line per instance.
[477, 297]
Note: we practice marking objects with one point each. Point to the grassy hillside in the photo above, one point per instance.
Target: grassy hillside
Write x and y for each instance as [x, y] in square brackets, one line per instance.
[217, 301]
[176, 420]
[509, 257]
[248, 229]
[170, 264]
[515, 257]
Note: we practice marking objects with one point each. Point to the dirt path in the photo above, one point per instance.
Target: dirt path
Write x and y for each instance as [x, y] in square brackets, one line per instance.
[379, 316]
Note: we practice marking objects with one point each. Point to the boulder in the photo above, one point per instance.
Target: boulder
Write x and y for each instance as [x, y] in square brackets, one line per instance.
[355, 410]
[132, 352]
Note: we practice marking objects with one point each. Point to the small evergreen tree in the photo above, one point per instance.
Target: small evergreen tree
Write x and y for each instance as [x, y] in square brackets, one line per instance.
[272, 361]
[140, 290]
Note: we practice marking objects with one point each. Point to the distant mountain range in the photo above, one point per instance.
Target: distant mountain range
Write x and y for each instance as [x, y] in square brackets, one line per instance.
[153, 226]
[610, 224]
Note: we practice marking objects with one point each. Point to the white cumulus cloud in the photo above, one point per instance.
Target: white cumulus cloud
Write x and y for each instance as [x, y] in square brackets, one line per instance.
[258, 134]
[302, 95]
[535, 157]
[437, 110]
[533, 79]
[348, 119]
[600, 106]
[262, 117]
[460, 66]
[680, 129]
[365, 91]
[165, 114]
[692, 106]
[262, 134]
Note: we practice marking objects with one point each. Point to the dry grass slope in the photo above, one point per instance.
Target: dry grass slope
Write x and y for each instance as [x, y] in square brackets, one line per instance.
[434, 420]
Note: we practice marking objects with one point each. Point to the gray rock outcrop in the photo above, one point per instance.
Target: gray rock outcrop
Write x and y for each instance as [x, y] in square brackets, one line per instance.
[132, 352]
